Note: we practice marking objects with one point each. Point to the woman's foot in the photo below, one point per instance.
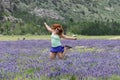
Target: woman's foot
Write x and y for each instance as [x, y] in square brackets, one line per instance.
[68, 47]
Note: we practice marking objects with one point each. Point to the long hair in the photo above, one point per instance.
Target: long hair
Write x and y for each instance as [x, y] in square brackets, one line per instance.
[57, 27]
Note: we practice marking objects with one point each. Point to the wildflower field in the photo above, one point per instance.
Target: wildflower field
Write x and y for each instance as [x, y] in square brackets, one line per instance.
[89, 59]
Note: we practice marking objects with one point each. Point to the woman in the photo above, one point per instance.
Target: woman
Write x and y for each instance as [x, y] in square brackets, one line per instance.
[57, 33]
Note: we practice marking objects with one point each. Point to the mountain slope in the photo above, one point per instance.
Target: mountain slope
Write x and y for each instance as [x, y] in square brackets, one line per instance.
[77, 10]
[86, 17]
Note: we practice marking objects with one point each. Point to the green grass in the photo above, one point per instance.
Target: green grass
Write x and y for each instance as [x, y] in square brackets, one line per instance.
[39, 37]
[20, 37]
[84, 49]
[63, 77]
[100, 37]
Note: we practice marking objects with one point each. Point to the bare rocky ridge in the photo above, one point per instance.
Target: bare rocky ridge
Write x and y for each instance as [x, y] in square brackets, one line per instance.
[12, 19]
[47, 13]
[6, 5]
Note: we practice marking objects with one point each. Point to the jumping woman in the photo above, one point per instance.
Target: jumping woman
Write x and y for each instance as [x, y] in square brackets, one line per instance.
[57, 33]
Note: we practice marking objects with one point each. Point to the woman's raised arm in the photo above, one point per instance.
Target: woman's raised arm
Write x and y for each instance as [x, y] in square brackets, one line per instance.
[48, 27]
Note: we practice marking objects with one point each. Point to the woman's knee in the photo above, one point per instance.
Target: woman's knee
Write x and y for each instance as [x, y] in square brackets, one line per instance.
[60, 55]
[52, 55]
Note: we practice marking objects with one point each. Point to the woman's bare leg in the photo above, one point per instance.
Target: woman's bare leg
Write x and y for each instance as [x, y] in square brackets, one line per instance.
[52, 55]
[65, 51]
[62, 55]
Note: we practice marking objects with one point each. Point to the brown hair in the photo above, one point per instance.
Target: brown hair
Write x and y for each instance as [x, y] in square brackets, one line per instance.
[57, 27]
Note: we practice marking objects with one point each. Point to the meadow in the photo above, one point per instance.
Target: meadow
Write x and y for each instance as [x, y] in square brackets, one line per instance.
[91, 58]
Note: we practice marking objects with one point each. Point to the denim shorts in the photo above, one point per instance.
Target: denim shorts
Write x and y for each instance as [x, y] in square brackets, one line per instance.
[57, 49]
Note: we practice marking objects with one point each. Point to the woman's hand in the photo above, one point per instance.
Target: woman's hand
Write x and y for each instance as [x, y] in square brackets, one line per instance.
[74, 38]
[45, 23]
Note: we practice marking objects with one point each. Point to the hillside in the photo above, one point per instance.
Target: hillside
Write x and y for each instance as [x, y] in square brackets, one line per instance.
[65, 9]
[35, 11]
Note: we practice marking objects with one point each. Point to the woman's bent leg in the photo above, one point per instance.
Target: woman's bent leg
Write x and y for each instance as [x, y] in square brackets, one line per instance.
[52, 55]
[65, 51]
[60, 55]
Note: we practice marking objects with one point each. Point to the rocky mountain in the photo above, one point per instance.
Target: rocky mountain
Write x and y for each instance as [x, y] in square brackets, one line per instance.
[75, 10]
[86, 17]
[7, 7]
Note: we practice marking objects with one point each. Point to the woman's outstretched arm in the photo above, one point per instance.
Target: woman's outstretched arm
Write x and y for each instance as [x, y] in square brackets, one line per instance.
[68, 37]
[48, 27]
